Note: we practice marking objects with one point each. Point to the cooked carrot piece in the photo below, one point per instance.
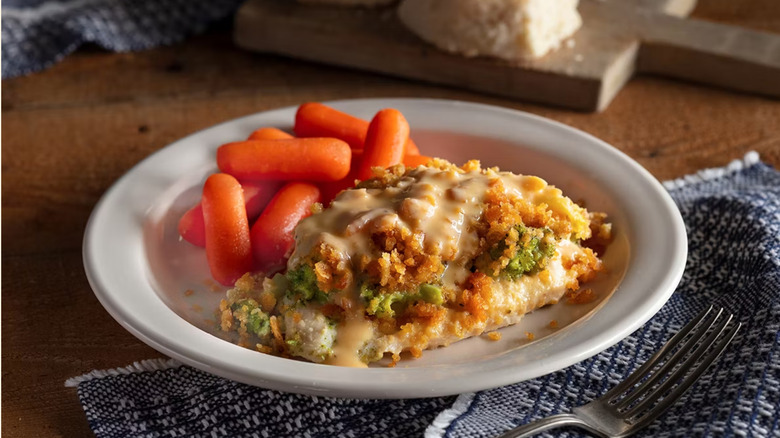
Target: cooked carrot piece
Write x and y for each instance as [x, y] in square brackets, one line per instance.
[314, 119]
[317, 120]
[416, 160]
[256, 197]
[411, 148]
[269, 134]
[191, 226]
[385, 140]
[228, 247]
[272, 234]
[308, 159]
[330, 189]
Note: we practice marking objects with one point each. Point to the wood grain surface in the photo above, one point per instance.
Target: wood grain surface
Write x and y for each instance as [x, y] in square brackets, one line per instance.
[73, 130]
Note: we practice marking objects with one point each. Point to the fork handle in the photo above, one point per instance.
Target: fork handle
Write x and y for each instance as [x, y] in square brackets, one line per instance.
[546, 423]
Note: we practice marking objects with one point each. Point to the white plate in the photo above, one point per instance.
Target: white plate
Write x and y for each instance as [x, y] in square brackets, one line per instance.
[141, 271]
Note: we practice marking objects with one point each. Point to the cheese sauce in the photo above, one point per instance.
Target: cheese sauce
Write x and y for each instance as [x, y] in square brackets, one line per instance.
[440, 206]
[352, 335]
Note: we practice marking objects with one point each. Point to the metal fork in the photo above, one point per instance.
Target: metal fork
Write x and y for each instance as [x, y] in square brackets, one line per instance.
[652, 389]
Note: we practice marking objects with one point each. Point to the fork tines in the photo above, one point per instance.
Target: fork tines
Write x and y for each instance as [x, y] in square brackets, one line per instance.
[660, 381]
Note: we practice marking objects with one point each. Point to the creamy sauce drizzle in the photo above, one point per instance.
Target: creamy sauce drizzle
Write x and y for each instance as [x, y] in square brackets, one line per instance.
[352, 335]
[442, 206]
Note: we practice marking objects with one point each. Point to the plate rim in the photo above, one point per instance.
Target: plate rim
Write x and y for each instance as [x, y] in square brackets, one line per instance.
[332, 383]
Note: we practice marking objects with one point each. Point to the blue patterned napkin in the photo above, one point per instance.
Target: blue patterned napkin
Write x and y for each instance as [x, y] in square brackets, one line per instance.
[732, 216]
[38, 33]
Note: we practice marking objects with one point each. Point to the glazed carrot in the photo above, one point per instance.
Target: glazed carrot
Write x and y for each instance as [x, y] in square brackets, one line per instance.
[330, 189]
[272, 234]
[308, 159]
[191, 226]
[416, 160]
[411, 148]
[385, 140]
[317, 120]
[228, 246]
[256, 197]
[269, 134]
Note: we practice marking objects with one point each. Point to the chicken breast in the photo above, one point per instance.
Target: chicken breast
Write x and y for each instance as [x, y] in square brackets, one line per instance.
[417, 259]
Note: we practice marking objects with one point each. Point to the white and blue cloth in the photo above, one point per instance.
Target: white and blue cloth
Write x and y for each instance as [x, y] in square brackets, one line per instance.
[38, 33]
[732, 216]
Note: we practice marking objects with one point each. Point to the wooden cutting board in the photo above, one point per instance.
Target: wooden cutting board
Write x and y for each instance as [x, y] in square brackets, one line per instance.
[618, 39]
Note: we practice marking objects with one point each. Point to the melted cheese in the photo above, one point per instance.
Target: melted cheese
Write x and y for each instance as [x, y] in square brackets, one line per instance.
[441, 207]
[352, 335]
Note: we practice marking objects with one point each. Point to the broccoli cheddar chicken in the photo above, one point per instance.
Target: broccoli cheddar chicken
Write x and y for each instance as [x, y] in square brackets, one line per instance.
[416, 259]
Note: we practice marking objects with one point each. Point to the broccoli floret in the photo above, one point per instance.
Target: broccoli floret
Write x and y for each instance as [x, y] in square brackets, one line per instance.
[382, 304]
[534, 250]
[431, 294]
[255, 320]
[245, 305]
[303, 285]
[387, 305]
[258, 323]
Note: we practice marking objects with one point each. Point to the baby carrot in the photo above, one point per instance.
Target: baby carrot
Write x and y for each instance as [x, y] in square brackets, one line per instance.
[416, 160]
[385, 140]
[308, 159]
[228, 246]
[257, 194]
[330, 189]
[317, 120]
[314, 119]
[411, 148]
[191, 226]
[272, 234]
[269, 134]
[256, 197]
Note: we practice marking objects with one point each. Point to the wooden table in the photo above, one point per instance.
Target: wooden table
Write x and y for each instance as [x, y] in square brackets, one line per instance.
[72, 130]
